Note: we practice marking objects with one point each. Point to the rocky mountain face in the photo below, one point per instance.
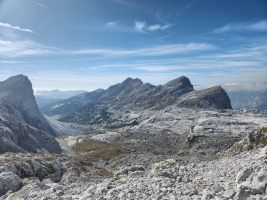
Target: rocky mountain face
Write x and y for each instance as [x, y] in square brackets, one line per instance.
[22, 126]
[98, 106]
[214, 97]
[249, 99]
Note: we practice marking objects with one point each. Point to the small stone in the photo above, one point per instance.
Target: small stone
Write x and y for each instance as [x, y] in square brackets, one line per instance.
[206, 195]
[228, 194]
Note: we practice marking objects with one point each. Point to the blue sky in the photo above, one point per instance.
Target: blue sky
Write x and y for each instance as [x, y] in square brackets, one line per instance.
[90, 44]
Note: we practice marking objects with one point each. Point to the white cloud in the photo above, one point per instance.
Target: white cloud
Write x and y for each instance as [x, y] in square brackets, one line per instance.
[157, 68]
[242, 68]
[153, 27]
[140, 66]
[112, 24]
[260, 26]
[161, 50]
[166, 26]
[12, 62]
[10, 48]
[38, 4]
[17, 28]
[143, 27]
[26, 48]
[140, 26]
[251, 80]
[240, 61]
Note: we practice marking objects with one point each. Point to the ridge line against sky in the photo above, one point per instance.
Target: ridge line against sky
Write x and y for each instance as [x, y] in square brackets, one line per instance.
[78, 42]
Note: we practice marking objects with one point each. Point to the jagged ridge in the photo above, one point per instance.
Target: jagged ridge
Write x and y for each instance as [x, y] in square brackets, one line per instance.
[96, 107]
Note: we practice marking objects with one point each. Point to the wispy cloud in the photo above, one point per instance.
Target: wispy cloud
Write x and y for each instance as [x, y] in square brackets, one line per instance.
[139, 66]
[260, 26]
[241, 60]
[26, 48]
[154, 27]
[112, 24]
[245, 65]
[23, 48]
[140, 26]
[156, 67]
[161, 50]
[136, 27]
[12, 62]
[17, 28]
[117, 25]
[143, 27]
[38, 4]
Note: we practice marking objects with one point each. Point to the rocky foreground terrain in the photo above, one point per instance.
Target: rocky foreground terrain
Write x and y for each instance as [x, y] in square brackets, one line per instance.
[201, 155]
[193, 147]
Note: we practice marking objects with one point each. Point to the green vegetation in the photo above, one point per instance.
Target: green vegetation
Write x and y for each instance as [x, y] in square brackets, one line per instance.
[255, 140]
[258, 139]
[91, 149]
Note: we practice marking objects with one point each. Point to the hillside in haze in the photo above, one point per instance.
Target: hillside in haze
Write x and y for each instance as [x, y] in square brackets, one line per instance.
[46, 97]
[249, 99]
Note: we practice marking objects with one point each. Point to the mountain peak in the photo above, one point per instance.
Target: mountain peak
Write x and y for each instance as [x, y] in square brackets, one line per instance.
[17, 78]
[132, 80]
[16, 87]
[182, 82]
[17, 84]
[213, 97]
[17, 92]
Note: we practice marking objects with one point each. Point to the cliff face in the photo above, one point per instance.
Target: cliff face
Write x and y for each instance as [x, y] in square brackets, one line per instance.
[22, 126]
[17, 92]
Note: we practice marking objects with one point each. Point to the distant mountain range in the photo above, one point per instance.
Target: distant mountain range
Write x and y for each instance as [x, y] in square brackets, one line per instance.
[99, 105]
[249, 99]
[45, 97]
[240, 99]
[22, 127]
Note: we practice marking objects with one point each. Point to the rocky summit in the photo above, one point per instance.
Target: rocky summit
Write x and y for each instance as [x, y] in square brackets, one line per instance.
[22, 126]
[133, 141]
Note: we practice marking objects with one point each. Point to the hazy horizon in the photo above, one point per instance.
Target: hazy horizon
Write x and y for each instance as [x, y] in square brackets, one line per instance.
[86, 45]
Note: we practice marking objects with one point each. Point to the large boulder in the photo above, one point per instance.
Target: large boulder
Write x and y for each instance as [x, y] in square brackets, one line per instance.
[251, 181]
[9, 181]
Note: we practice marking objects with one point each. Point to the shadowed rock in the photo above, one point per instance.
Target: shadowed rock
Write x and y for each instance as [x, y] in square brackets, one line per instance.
[214, 97]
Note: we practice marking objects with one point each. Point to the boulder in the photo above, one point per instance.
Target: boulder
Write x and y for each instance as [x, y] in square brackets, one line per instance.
[251, 181]
[9, 181]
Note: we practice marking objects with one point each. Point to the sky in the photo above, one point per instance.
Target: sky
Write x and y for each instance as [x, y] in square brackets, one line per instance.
[91, 44]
